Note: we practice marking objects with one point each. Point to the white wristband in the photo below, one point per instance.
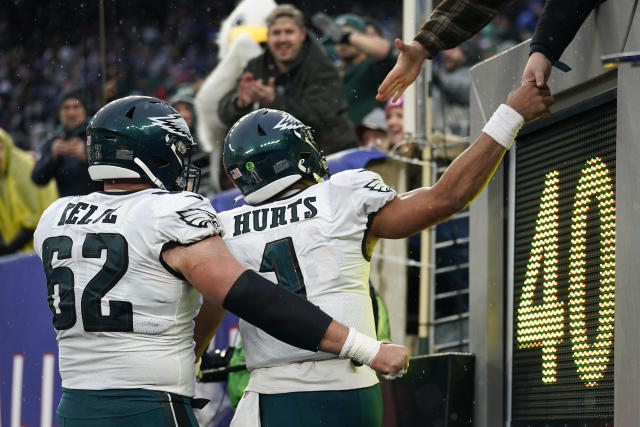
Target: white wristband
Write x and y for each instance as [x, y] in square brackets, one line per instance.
[360, 347]
[503, 126]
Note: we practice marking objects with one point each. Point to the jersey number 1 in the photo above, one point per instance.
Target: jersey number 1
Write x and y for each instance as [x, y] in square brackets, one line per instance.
[60, 284]
[279, 257]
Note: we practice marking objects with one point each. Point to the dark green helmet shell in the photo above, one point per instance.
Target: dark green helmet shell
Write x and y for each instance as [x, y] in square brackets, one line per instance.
[141, 137]
[267, 151]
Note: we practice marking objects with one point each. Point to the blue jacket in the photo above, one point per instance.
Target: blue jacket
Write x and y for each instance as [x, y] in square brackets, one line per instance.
[72, 176]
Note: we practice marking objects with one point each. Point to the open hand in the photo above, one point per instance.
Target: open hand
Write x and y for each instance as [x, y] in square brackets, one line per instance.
[405, 72]
[530, 101]
[391, 361]
[244, 94]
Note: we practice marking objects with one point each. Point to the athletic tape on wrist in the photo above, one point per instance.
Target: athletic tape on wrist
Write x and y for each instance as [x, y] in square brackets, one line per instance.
[360, 347]
[348, 343]
[503, 126]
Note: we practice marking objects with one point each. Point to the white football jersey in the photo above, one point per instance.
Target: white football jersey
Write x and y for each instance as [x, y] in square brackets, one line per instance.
[310, 243]
[122, 319]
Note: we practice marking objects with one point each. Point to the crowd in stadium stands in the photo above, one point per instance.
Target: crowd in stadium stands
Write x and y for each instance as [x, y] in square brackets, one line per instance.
[155, 59]
[161, 59]
[145, 61]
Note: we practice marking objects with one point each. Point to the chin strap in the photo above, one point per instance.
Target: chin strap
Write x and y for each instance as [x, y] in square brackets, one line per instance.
[154, 179]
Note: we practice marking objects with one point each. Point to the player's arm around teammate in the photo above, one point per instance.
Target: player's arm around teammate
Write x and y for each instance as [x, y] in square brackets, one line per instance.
[223, 280]
[467, 175]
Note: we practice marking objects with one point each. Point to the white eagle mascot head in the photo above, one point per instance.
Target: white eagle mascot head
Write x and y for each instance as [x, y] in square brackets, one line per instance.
[238, 41]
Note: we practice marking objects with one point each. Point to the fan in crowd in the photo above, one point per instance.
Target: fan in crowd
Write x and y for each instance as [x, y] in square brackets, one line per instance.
[64, 157]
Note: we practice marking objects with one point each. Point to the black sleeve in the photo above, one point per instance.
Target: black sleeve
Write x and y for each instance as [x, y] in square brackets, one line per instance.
[559, 22]
[276, 311]
[45, 167]
[455, 21]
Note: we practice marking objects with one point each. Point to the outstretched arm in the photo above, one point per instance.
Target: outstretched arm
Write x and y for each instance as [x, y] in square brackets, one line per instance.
[559, 22]
[373, 45]
[467, 175]
[451, 23]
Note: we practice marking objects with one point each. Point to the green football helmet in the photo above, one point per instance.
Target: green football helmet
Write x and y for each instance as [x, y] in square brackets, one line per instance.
[142, 137]
[269, 150]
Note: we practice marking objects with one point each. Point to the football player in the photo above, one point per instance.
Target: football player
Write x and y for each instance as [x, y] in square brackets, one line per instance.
[124, 267]
[315, 238]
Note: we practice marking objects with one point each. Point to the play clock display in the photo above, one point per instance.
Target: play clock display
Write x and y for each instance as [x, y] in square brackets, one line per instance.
[564, 273]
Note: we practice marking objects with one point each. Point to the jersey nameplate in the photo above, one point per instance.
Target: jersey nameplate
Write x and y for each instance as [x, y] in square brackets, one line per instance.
[261, 219]
[84, 213]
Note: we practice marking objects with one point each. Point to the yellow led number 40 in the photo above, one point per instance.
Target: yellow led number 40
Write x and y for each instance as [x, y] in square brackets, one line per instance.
[542, 325]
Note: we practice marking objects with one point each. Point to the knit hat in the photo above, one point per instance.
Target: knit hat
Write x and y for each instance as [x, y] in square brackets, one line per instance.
[73, 93]
[353, 21]
[373, 120]
[184, 94]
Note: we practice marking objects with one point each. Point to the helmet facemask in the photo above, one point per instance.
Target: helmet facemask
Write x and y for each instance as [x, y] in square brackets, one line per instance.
[189, 179]
[306, 167]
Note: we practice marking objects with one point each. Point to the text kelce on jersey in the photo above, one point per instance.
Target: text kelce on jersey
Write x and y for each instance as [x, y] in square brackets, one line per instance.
[83, 213]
